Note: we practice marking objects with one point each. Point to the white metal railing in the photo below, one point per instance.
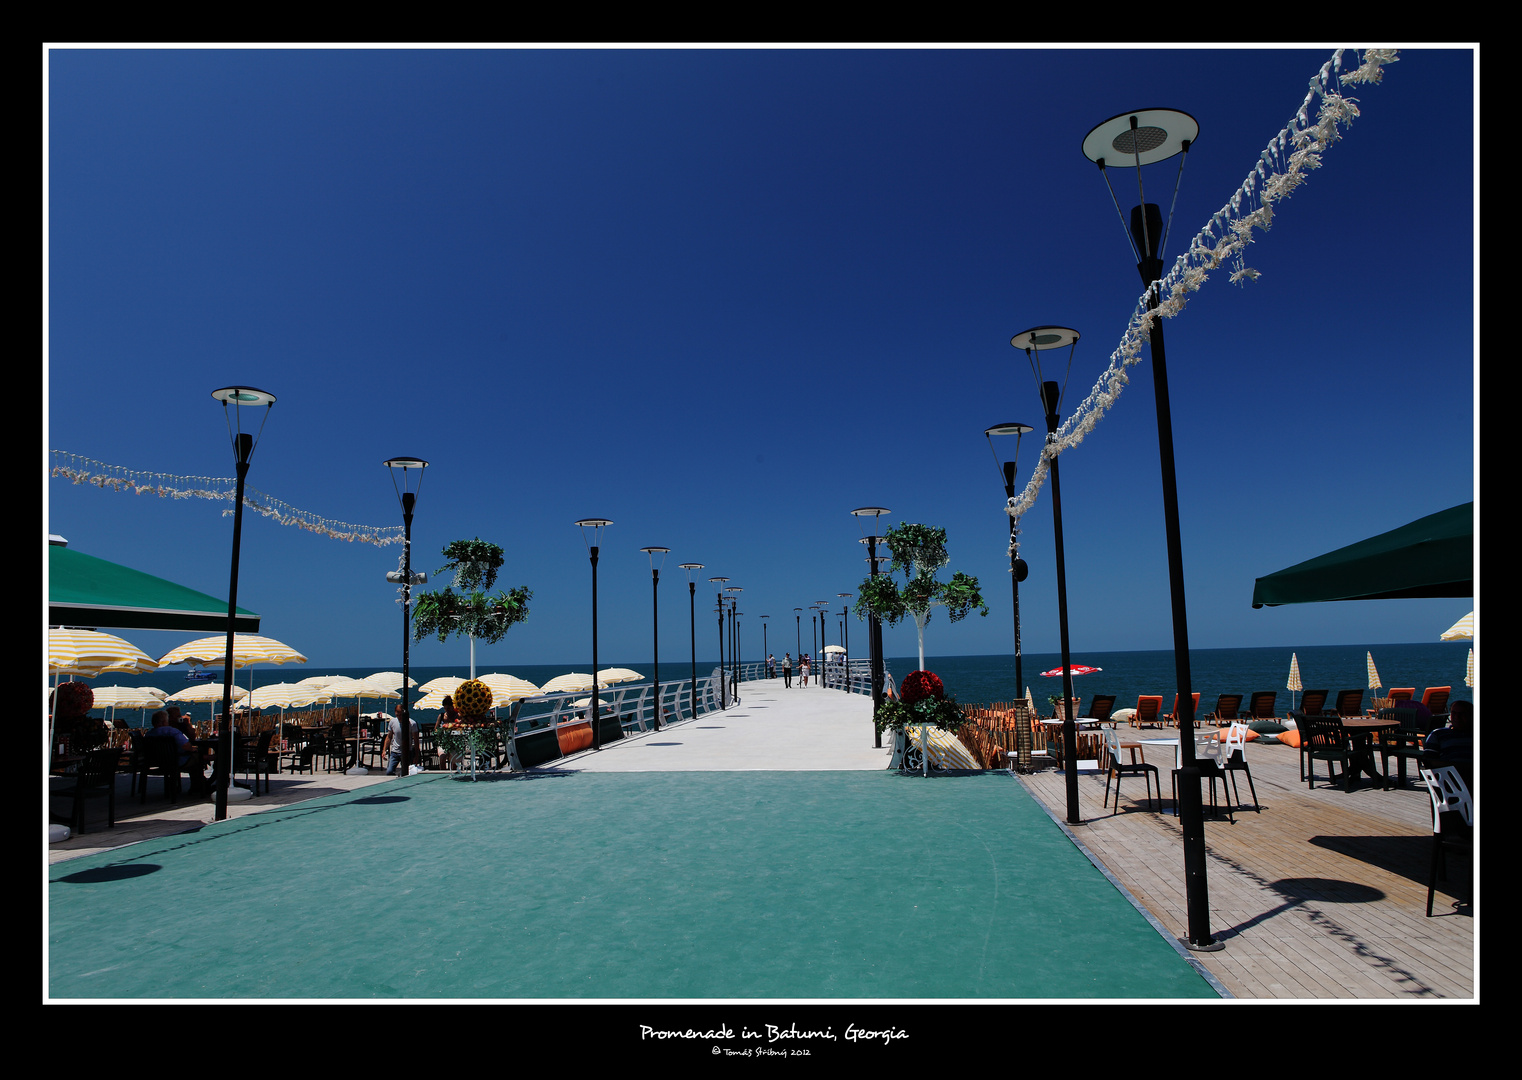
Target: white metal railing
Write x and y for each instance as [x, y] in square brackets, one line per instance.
[853, 676]
[633, 704]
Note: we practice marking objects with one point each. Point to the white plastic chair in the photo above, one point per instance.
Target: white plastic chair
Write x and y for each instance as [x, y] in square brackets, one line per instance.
[1450, 795]
[1118, 768]
[1233, 759]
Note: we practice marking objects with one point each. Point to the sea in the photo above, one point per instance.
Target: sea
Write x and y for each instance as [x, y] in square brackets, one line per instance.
[975, 680]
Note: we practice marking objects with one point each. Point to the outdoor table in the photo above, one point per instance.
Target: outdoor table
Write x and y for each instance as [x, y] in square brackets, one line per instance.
[1360, 731]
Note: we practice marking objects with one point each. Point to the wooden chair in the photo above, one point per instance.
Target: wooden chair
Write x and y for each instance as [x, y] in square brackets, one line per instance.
[257, 759]
[160, 756]
[1173, 717]
[1313, 701]
[1328, 743]
[1148, 710]
[1349, 703]
[1101, 708]
[96, 779]
[1436, 699]
[1261, 705]
[1405, 742]
[299, 751]
[1226, 708]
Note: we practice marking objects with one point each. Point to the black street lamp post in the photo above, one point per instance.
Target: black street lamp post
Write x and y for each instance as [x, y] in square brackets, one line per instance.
[655, 625]
[734, 638]
[765, 655]
[845, 635]
[239, 397]
[1033, 342]
[875, 625]
[1018, 571]
[723, 660]
[1131, 140]
[692, 618]
[406, 494]
[596, 525]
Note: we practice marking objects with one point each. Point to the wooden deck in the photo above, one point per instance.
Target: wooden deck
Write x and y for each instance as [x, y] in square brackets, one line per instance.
[1321, 895]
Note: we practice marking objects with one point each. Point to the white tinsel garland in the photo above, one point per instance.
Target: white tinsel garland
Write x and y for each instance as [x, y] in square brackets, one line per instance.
[82, 470]
[1221, 241]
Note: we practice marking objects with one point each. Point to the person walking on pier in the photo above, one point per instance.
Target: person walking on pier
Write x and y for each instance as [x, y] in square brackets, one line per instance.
[787, 670]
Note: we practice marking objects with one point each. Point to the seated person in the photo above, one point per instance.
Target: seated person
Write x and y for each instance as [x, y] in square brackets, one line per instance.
[190, 757]
[1454, 744]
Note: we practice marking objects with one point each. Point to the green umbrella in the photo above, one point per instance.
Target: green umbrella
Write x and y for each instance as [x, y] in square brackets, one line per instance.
[1432, 556]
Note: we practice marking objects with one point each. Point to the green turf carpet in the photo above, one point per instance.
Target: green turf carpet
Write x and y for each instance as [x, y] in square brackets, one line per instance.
[615, 885]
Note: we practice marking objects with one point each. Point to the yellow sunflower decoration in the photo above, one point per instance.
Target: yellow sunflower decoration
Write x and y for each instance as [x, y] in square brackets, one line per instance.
[472, 699]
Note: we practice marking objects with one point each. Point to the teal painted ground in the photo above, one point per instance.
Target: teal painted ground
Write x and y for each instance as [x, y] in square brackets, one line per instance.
[628, 886]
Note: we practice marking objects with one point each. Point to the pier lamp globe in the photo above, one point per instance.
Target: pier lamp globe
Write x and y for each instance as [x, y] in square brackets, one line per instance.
[1033, 343]
[591, 535]
[407, 480]
[692, 618]
[1132, 140]
[238, 408]
[874, 625]
[1018, 570]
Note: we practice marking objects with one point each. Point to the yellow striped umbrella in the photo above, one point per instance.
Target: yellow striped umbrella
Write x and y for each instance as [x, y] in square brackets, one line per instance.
[203, 692]
[447, 683]
[247, 649]
[391, 679]
[1463, 630]
[127, 697]
[89, 653]
[1294, 676]
[613, 675]
[1469, 672]
[1374, 683]
[571, 683]
[507, 688]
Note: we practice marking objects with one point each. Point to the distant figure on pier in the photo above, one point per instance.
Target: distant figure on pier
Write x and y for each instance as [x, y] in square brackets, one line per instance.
[771, 667]
[787, 671]
[803, 670]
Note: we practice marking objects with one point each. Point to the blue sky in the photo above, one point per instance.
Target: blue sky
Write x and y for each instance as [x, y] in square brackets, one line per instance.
[722, 297]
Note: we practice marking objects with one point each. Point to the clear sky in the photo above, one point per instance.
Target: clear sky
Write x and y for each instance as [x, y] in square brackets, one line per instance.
[722, 297]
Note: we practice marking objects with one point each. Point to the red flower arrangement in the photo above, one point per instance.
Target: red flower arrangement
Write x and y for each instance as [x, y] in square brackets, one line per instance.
[72, 699]
[919, 685]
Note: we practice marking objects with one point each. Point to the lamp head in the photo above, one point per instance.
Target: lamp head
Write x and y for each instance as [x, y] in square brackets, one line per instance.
[240, 398]
[1140, 137]
[406, 478]
[595, 525]
[1033, 343]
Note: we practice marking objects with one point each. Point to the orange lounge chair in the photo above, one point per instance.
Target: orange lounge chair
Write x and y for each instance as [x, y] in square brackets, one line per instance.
[1148, 708]
[1173, 718]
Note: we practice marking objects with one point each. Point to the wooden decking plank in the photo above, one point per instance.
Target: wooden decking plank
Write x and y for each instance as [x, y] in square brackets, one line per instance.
[1320, 895]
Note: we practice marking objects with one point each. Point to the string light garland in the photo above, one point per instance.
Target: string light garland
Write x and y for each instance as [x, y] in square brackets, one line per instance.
[83, 470]
[1280, 169]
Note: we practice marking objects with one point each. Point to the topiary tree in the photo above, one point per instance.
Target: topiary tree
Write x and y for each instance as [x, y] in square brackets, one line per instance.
[446, 614]
[918, 552]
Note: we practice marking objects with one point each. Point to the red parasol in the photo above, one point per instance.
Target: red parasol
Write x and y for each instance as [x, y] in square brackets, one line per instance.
[1077, 669]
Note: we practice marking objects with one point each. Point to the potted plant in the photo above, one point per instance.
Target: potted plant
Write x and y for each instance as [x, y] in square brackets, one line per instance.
[922, 703]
